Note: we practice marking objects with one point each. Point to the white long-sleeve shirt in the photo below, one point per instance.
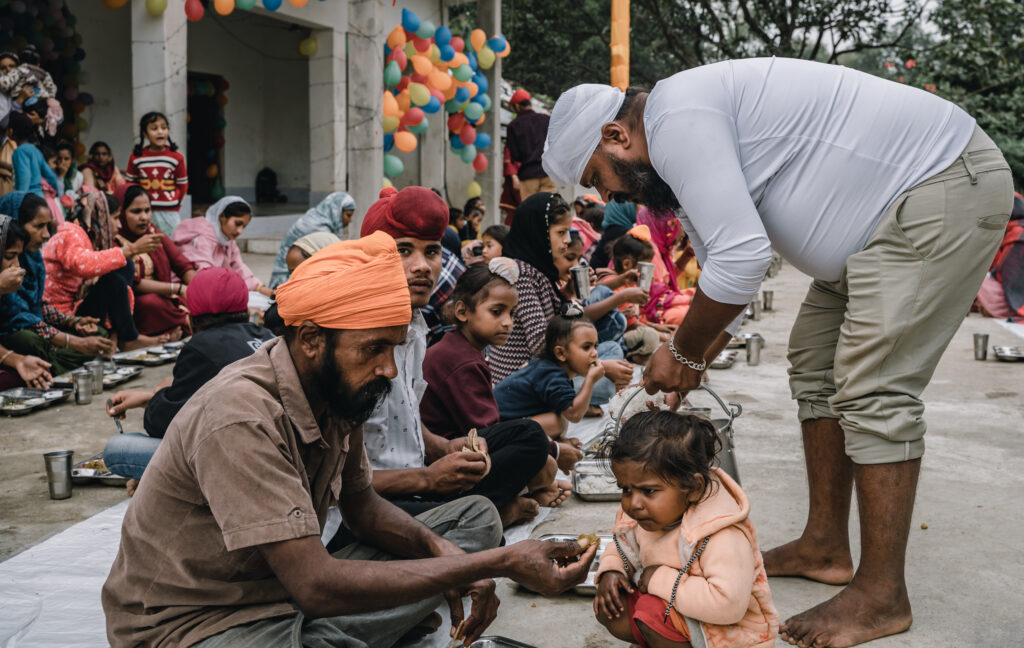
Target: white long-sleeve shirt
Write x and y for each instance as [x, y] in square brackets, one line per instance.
[802, 156]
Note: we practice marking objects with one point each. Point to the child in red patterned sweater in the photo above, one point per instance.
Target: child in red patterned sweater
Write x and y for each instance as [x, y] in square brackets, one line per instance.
[160, 170]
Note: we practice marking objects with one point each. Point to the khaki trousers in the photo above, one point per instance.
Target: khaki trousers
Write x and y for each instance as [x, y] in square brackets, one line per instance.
[529, 187]
[864, 348]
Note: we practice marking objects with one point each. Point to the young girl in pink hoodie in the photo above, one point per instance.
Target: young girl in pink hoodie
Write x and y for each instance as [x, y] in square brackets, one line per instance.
[685, 558]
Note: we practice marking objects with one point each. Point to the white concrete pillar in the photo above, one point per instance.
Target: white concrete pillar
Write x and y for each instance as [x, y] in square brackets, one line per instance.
[365, 89]
[434, 143]
[160, 67]
[488, 18]
[328, 136]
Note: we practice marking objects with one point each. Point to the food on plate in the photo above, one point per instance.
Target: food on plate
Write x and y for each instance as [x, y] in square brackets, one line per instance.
[586, 539]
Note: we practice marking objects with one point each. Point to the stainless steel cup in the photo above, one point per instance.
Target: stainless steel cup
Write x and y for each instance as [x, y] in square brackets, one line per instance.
[646, 272]
[96, 368]
[768, 296]
[755, 308]
[754, 345]
[58, 473]
[81, 380]
[980, 346]
[581, 281]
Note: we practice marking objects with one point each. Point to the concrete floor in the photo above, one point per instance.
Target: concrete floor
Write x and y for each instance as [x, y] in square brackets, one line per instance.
[963, 570]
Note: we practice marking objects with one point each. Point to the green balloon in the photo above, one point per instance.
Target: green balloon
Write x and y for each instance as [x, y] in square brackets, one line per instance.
[419, 128]
[393, 165]
[452, 106]
[245, 5]
[392, 74]
[426, 29]
[488, 104]
[468, 154]
[463, 72]
[473, 111]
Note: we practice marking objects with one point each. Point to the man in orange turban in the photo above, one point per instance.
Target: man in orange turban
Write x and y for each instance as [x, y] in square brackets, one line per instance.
[238, 494]
[414, 467]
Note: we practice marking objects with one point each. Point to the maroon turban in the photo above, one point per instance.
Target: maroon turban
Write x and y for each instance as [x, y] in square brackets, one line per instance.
[413, 212]
[216, 290]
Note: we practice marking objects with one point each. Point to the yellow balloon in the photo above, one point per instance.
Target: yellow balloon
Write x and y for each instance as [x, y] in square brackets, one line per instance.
[474, 190]
[396, 38]
[485, 57]
[390, 105]
[405, 141]
[156, 7]
[419, 94]
[421, 64]
[308, 46]
[390, 123]
[435, 53]
[477, 38]
[386, 183]
[410, 50]
[224, 7]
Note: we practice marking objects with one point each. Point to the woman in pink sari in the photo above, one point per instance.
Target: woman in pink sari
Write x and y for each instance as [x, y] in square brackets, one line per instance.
[665, 230]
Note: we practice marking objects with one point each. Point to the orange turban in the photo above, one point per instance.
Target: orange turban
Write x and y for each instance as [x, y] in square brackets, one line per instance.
[641, 233]
[414, 212]
[349, 285]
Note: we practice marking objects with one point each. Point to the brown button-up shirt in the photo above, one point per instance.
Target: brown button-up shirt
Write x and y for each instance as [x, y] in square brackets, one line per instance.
[243, 464]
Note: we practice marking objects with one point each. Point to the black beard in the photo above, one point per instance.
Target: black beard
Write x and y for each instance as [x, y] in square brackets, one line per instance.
[353, 406]
[644, 185]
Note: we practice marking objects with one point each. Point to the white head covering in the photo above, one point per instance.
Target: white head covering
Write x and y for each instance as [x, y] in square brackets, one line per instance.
[575, 129]
[214, 211]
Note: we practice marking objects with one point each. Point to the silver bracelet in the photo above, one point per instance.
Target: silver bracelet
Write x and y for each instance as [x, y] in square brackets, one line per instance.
[683, 361]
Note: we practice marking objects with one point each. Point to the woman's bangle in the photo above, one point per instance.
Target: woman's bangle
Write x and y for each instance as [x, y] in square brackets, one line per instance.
[174, 289]
[67, 340]
[6, 355]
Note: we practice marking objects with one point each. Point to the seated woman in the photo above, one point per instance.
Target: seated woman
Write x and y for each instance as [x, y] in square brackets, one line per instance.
[16, 369]
[307, 246]
[101, 171]
[333, 215]
[158, 304]
[89, 276]
[217, 299]
[29, 325]
[1002, 293]
[210, 243]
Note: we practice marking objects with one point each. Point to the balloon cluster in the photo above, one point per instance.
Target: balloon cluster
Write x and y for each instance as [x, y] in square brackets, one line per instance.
[49, 26]
[194, 8]
[427, 69]
[214, 88]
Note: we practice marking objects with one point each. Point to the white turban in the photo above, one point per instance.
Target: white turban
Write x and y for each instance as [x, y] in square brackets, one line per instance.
[575, 129]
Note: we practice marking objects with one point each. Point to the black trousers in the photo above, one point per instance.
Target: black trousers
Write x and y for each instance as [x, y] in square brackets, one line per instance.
[518, 450]
[108, 298]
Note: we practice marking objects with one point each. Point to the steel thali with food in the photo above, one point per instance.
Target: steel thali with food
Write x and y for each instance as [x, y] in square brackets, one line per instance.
[22, 400]
[94, 470]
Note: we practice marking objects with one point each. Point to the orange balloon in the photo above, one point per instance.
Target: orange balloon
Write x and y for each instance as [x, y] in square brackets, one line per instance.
[422, 64]
[114, 4]
[299, 3]
[473, 89]
[483, 117]
[405, 141]
[224, 7]
[396, 38]
[457, 60]
[506, 52]
[477, 38]
[390, 105]
[404, 101]
[440, 80]
[450, 92]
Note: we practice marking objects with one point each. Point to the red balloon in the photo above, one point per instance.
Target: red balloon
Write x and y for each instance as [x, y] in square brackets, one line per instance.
[457, 43]
[398, 56]
[456, 122]
[419, 78]
[434, 92]
[194, 10]
[421, 44]
[468, 135]
[409, 36]
[402, 85]
[479, 162]
[412, 117]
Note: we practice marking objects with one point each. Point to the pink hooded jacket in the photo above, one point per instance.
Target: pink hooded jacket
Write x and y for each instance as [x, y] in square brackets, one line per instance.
[726, 588]
[200, 244]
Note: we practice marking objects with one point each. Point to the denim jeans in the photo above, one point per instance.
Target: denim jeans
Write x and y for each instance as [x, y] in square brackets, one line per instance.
[129, 454]
[604, 389]
[612, 325]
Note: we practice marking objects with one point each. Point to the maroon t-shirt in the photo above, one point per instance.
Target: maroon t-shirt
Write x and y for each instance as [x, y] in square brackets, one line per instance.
[459, 396]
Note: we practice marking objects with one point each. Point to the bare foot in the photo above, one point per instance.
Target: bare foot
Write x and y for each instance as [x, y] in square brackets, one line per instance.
[594, 412]
[554, 494]
[131, 486]
[855, 615]
[521, 509]
[143, 341]
[812, 560]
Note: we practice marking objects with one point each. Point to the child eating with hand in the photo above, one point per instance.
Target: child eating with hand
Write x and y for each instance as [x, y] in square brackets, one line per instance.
[685, 556]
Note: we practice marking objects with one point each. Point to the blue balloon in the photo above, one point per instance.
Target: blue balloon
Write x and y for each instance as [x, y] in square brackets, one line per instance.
[483, 140]
[447, 52]
[387, 52]
[497, 44]
[389, 142]
[462, 95]
[479, 99]
[271, 5]
[442, 36]
[481, 82]
[472, 60]
[431, 106]
[410, 21]
[456, 142]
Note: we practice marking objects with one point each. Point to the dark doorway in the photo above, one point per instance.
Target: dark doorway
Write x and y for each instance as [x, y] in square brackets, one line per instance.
[206, 101]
